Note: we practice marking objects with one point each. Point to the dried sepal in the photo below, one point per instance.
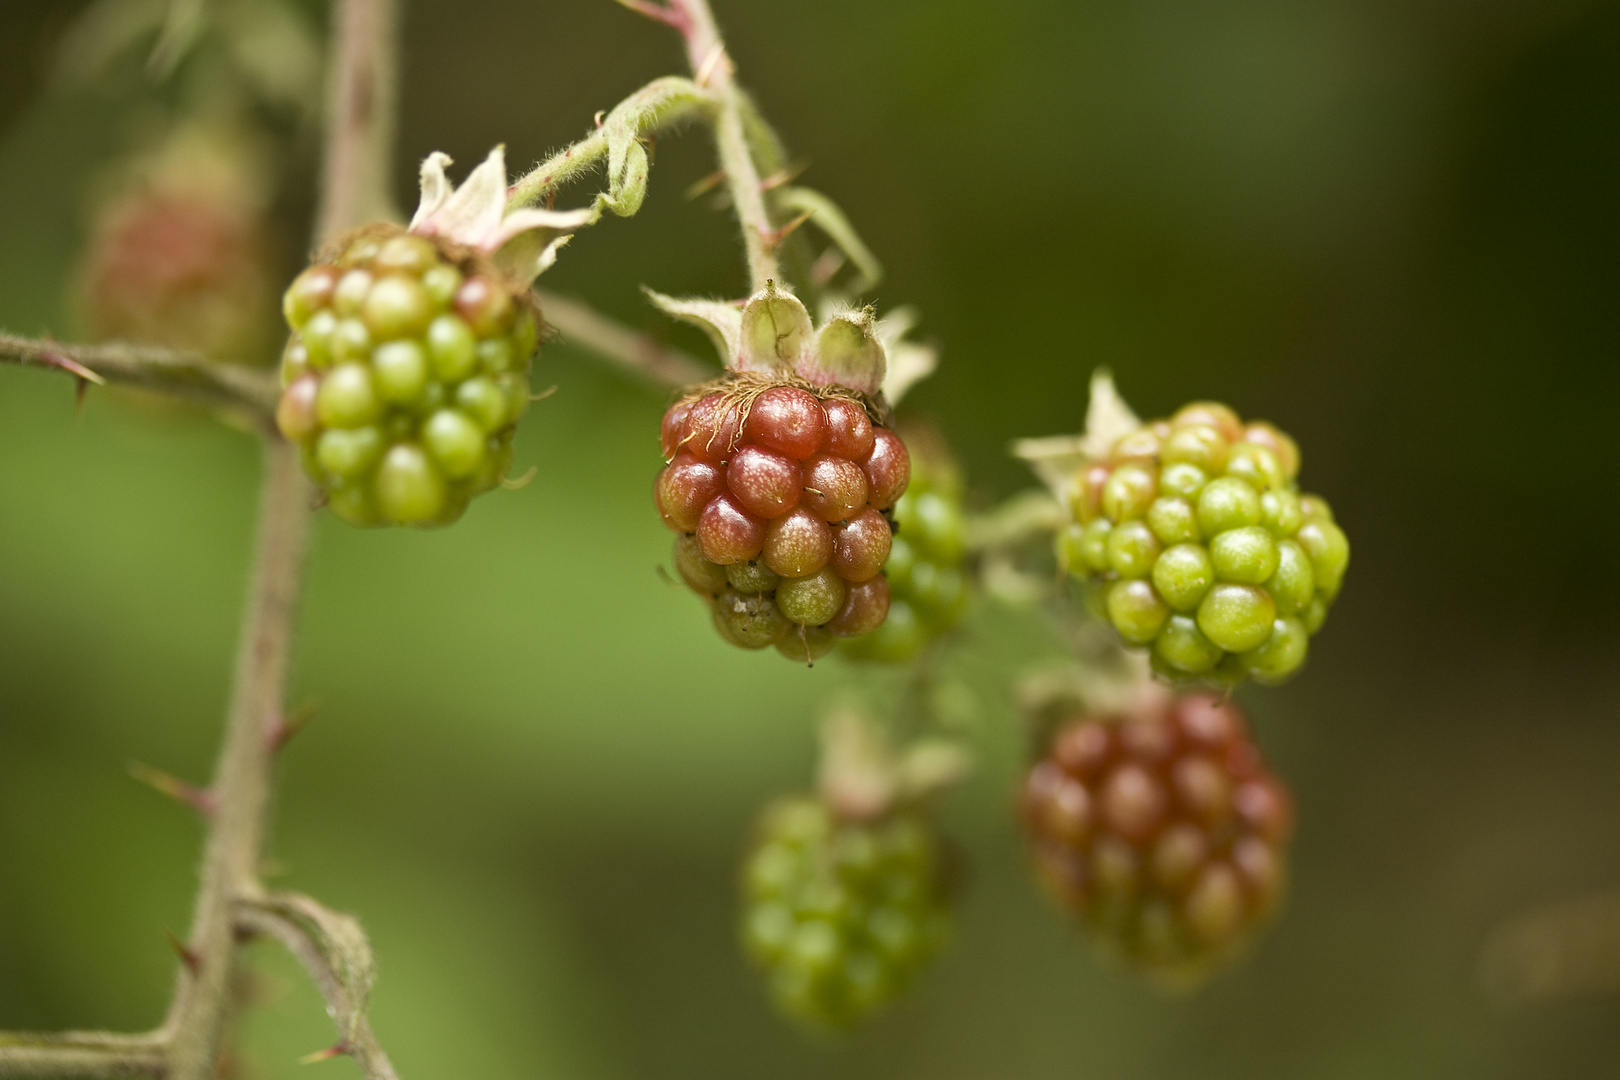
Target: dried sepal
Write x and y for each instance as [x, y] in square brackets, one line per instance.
[772, 333]
[720, 319]
[523, 242]
[850, 353]
[908, 362]
[1057, 458]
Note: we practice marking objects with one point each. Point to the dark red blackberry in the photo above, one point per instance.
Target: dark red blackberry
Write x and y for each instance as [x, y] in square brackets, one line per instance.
[1162, 830]
[778, 488]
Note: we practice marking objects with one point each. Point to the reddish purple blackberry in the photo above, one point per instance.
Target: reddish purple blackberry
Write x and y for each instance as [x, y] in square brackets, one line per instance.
[779, 491]
[406, 374]
[841, 915]
[1163, 831]
[1198, 545]
[181, 257]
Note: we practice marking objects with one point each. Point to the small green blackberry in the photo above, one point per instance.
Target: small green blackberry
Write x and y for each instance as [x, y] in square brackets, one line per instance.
[1196, 544]
[841, 915]
[405, 376]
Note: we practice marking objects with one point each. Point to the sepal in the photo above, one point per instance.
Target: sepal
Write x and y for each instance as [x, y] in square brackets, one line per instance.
[720, 319]
[1056, 459]
[776, 333]
[524, 242]
[849, 352]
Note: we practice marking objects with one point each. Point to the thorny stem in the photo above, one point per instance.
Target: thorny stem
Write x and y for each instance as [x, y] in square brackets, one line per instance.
[177, 374]
[189, 1046]
[584, 326]
[361, 1045]
[81, 1054]
[241, 783]
[712, 68]
[358, 148]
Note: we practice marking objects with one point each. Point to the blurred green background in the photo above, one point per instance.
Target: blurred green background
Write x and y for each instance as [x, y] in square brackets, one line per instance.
[1391, 227]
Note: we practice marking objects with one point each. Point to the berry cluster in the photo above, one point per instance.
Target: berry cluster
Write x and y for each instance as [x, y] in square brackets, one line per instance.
[405, 376]
[1200, 546]
[927, 586]
[777, 491]
[1162, 830]
[841, 914]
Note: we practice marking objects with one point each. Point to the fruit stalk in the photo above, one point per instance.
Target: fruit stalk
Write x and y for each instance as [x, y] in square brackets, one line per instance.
[712, 68]
[584, 326]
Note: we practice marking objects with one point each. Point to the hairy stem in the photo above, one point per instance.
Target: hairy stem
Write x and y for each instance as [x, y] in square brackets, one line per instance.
[241, 783]
[176, 374]
[712, 68]
[354, 1035]
[81, 1054]
[584, 326]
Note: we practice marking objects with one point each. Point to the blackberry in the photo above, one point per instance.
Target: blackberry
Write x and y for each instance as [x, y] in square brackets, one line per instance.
[405, 375]
[841, 915]
[1196, 543]
[782, 493]
[1162, 830]
[181, 256]
[928, 585]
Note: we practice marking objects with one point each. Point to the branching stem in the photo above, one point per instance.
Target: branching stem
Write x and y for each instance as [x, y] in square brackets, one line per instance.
[190, 1045]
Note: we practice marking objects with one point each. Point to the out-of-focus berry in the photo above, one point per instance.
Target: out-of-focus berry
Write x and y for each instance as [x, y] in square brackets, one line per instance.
[1163, 830]
[928, 583]
[841, 915]
[179, 255]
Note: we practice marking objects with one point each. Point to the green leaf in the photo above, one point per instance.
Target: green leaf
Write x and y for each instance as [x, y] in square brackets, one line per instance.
[849, 352]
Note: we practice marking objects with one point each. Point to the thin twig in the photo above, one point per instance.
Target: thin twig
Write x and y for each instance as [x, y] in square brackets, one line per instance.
[178, 374]
[658, 105]
[584, 326]
[712, 69]
[359, 1044]
[360, 119]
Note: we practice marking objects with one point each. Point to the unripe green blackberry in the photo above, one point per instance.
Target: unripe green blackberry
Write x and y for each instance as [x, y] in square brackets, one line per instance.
[1163, 831]
[781, 492]
[928, 583]
[405, 375]
[841, 915]
[1196, 544]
